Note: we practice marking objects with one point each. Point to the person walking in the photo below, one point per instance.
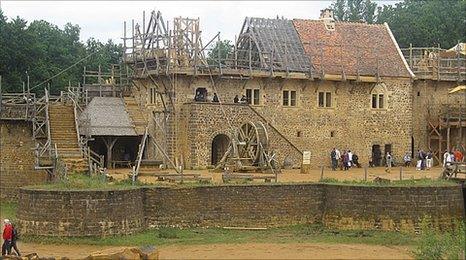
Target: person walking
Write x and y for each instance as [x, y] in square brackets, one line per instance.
[345, 160]
[7, 237]
[407, 159]
[333, 157]
[446, 159]
[356, 160]
[388, 159]
[350, 158]
[429, 160]
[215, 98]
[14, 238]
[458, 155]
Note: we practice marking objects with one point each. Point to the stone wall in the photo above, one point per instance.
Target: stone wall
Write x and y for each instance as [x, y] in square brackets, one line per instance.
[17, 159]
[80, 213]
[249, 206]
[206, 120]
[336, 206]
[97, 213]
[392, 208]
[350, 123]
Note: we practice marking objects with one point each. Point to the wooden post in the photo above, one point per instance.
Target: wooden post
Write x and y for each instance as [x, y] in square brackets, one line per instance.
[365, 173]
[411, 55]
[438, 61]
[109, 143]
[401, 173]
[321, 172]
[124, 41]
[250, 56]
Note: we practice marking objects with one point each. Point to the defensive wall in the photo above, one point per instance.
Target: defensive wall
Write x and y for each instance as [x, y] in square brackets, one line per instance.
[100, 213]
[17, 158]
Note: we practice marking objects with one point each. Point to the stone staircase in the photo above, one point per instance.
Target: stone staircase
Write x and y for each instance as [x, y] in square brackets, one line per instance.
[136, 114]
[64, 135]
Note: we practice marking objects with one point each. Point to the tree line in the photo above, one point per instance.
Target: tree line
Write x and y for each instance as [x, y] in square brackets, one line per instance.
[420, 23]
[41, 50]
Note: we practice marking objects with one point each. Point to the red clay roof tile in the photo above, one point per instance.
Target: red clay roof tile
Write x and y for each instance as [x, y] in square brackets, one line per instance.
[351, 47]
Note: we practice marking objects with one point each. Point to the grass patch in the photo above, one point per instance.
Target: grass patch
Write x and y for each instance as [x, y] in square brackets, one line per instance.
[8, 210]
[433, 244]
[291, 234]
[424, 182]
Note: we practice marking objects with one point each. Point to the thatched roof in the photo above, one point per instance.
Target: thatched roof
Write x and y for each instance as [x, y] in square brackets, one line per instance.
[106, 116]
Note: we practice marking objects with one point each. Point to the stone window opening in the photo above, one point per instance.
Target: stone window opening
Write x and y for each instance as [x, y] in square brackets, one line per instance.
[299, 134]
[378, 101]
[332, 133]
[289, 98]
[201, 95]
[419, 93]
[253, 96]
[325, 99]
[378, 97]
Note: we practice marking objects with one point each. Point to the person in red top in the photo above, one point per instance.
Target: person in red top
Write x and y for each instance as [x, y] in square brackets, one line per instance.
[458, 155]
[7, 237]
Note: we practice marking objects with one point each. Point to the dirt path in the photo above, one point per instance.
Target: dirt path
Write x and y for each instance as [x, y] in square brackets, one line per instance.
[294, 175]
[240, 251]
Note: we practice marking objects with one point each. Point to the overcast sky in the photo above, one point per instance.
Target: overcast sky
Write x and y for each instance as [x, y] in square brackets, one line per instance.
[103, 20]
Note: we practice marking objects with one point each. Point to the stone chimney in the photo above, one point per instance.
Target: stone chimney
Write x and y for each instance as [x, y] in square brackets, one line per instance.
[326, 16]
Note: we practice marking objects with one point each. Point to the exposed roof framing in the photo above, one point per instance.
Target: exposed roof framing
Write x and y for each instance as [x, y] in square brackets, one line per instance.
[273, 43]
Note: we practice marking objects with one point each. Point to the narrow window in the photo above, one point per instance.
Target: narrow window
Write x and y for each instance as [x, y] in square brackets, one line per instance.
[332, 133]
[293, 98]
[374, 100]
[298, 134]
[286, 97]
[325, 99]
[328, 99]
[321, 99]
[249, 95]
[419, 93]
[381, 101]
[256, 97]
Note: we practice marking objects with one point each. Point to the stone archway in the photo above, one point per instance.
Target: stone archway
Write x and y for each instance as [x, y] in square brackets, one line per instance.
[219, 147]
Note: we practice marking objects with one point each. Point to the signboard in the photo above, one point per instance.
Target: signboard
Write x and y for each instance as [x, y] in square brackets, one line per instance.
[306, 157]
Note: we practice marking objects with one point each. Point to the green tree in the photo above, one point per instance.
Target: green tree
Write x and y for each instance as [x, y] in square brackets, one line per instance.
[42, 50]
[354, 10]
[426, 23]
[422, 23]
[222, 49]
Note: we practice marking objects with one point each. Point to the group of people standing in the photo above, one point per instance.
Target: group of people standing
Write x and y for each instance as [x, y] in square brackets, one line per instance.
[10, 235]
[455, 156]
[345, 159]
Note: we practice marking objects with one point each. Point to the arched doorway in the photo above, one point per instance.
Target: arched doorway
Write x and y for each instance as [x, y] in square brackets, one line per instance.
[219, 147]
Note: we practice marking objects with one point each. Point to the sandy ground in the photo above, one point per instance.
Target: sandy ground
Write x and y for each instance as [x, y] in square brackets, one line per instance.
[240, 251]
[294, 175]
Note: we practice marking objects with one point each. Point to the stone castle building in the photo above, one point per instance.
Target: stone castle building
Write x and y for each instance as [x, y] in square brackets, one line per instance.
[312, 84]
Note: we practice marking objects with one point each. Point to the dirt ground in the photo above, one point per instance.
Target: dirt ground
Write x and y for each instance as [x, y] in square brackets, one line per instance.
[294, 175]
[240, 251]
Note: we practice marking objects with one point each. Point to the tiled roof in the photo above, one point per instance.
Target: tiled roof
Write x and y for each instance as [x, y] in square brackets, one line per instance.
[351, 46]
[106, 116]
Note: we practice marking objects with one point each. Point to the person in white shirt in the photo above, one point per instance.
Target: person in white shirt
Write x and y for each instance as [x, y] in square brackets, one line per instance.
[350, 158]
[446, 159]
